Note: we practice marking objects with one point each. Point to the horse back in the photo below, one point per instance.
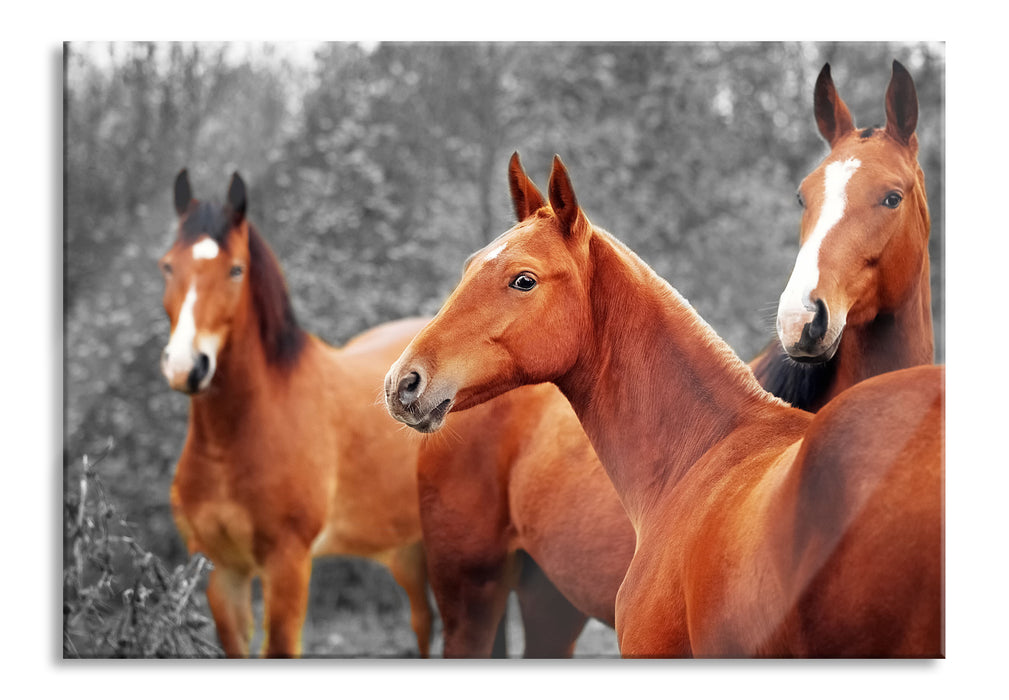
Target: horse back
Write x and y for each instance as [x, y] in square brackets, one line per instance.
[373, 503]
[866, 539]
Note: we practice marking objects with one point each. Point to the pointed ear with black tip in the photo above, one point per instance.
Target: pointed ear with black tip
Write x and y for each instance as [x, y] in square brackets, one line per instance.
[237, 199]
[901, 105]
[563, 201]
[183, 193]
[526, 198]
[832, 116]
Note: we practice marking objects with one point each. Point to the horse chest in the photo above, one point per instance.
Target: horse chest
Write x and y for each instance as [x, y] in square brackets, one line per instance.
[229, 507]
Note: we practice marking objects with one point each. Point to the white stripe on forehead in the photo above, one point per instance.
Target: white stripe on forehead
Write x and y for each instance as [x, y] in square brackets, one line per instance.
[496, 252]
[806, 273]
[205, 249]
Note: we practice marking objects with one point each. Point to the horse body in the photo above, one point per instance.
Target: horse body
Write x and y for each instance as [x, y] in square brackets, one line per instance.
[804, 547]
[761, 529]
[287, 457]
[524, 477]
[558, 504]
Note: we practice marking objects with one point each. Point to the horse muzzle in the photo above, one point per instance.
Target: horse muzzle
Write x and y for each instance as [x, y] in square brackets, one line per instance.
[410, 399]
[189, 373]
[809, 334]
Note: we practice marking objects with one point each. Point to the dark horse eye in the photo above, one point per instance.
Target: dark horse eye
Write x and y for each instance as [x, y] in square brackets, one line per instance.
[166, 268]
[892, 200]
[800, 200]
[236, 271]
[523, 283]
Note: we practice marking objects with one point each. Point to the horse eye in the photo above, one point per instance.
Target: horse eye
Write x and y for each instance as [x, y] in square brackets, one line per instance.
[166, 268]
[236, 271]
[892, 200]
[523, 283]
[800, 200]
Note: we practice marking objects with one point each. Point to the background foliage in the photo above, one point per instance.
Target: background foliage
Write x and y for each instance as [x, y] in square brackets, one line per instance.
[376, 169]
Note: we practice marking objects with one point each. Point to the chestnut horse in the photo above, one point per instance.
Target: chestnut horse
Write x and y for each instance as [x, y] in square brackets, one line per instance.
[287, 455]
[858, 302]
[483, 499]
[761, 529]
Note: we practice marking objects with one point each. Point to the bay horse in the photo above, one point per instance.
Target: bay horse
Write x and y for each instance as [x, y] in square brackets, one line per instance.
[858, 302]
[761, 529]
[287, 455]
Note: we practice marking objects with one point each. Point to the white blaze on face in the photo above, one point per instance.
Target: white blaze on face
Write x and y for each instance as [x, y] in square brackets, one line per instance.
[496, 252]
[205, 249]
[806, 273]
[178, 357]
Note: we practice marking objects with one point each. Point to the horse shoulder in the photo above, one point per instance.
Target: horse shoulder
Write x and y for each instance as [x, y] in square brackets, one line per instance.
[734, 583]
[651, 605]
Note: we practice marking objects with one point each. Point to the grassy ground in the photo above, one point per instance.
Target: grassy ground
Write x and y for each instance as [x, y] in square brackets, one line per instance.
[340, 625]
[349, 634]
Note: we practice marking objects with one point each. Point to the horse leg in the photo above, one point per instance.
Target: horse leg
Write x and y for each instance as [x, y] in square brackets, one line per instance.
[409, 568]
[285, 595]
[552, 624]
[472, 598]
[229, 594]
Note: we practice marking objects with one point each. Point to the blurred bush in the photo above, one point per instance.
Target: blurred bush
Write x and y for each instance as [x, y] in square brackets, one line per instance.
[119, 598]
[376, 169]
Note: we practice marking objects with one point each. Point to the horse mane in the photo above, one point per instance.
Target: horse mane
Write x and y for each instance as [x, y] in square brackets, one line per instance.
[802, 386]
[283, 339]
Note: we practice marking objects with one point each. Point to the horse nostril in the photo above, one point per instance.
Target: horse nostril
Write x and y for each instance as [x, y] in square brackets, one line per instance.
[199, 371]
[408, 386]
[814, 331]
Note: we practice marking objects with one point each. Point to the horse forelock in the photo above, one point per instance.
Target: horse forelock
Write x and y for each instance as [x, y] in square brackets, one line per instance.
[205, 219]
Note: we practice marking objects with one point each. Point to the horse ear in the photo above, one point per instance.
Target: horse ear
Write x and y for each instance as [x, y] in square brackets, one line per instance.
[901, 105]
[562, 197]
[832, 116]
[526, 198]
[236, 199]
[183, 193]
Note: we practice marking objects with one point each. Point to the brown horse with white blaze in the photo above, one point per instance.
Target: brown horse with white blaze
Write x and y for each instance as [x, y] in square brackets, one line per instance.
[858, 302]
[287, 455]
[761, 529]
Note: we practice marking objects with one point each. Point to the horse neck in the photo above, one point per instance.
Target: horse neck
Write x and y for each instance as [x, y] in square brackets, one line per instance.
[655, 387]
[893, 340]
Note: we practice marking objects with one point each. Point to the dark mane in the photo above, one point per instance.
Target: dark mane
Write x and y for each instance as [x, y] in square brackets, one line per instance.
[283, 339]
[800, 385]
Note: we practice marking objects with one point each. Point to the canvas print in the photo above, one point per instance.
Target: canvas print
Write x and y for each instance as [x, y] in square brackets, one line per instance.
[503, 350]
